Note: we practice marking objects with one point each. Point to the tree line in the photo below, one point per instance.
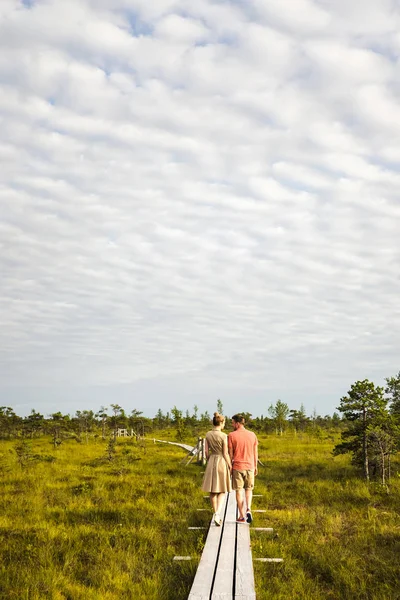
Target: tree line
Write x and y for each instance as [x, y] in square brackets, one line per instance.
[369, 424]
[84, 423]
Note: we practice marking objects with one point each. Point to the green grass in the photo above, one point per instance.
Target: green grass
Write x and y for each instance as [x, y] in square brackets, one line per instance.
[339, 537]
[83, 527]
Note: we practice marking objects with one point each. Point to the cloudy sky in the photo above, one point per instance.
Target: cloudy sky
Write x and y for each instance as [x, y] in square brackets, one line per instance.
[199, 200]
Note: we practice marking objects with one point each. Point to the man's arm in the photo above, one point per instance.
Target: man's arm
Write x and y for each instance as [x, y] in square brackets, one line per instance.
[255, 455]
[230, 448]
[226, 455]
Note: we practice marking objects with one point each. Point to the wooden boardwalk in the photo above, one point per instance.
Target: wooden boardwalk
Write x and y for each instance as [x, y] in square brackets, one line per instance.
[225, 571]
[184, 446]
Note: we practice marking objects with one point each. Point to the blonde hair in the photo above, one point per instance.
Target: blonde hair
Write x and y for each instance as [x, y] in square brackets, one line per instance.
[218, 419]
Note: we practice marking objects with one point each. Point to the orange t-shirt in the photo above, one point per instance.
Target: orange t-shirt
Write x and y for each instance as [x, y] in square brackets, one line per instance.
[242, 445]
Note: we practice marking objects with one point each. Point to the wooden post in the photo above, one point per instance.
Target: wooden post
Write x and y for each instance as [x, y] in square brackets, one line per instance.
[199, 450]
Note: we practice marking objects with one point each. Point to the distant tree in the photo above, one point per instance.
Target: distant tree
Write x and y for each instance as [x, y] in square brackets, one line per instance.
[220, 407]
[24, 453]
[195, 420]
[393, 393]
[85, 419]
[178, 422]
[258, 423]
[314, 418]
[118, 418]
[299, 418]
[364, 408]
[102, 416]
[136, 422]
[58, 425]
[383, 441]
[302, 414]
[111, 450]
[336, 419]
[33, 424]
[190, 420]
[9, 422]
[159, 420]
[205, 419]
[268, 423]
[176, 415]
[279, 413]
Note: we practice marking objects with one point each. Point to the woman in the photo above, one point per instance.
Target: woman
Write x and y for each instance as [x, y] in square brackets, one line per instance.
[217, 480]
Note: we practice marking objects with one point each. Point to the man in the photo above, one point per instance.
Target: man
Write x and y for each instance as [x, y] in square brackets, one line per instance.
[242, 448]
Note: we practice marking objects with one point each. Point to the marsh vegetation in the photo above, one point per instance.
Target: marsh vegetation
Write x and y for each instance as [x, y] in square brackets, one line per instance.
[93, 522]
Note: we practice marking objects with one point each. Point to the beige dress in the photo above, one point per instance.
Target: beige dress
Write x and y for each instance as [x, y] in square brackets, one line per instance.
[217, 476]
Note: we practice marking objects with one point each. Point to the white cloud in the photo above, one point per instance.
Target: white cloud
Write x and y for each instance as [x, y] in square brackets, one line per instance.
[201, 193]
[298, 16]
[179, 29]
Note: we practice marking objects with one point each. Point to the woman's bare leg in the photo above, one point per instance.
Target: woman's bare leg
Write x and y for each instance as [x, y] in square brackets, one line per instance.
[214, 501]
[220, 502]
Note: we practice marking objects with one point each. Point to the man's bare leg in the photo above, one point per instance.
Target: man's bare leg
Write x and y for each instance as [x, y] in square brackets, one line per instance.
[249, 498]
[240, 503]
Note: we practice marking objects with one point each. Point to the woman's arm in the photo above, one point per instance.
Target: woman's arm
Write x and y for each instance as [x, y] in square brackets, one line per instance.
[226, 455]
[206, 448]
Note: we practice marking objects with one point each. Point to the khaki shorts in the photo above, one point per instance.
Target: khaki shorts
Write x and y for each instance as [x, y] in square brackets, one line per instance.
[242, 479]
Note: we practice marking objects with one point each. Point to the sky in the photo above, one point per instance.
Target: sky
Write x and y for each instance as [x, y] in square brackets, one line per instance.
[199, 201]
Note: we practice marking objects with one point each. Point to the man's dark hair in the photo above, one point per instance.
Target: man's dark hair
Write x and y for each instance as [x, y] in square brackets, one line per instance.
[238, 419]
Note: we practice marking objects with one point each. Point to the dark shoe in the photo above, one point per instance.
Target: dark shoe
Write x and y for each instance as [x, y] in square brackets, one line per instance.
[249, 517]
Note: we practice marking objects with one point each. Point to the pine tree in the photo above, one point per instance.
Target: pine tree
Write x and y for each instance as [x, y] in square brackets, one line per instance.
[364, 408]
[393, 391]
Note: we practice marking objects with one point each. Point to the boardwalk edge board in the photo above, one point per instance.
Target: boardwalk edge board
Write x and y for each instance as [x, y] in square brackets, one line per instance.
[272, 560]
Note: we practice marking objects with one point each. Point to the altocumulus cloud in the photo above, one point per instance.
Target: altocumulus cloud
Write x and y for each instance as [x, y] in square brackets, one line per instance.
[198, 200]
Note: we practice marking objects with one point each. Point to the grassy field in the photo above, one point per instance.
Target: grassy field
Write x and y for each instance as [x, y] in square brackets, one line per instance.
[340, 538]
[82, 527]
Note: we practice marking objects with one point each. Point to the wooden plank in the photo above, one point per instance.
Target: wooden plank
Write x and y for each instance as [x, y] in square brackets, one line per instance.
[223, 582]
[244, 576]
[270, 560]
[270, 529]
[202, 583]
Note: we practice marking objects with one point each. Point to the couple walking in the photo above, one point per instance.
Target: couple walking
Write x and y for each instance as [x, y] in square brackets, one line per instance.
[234, 455]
